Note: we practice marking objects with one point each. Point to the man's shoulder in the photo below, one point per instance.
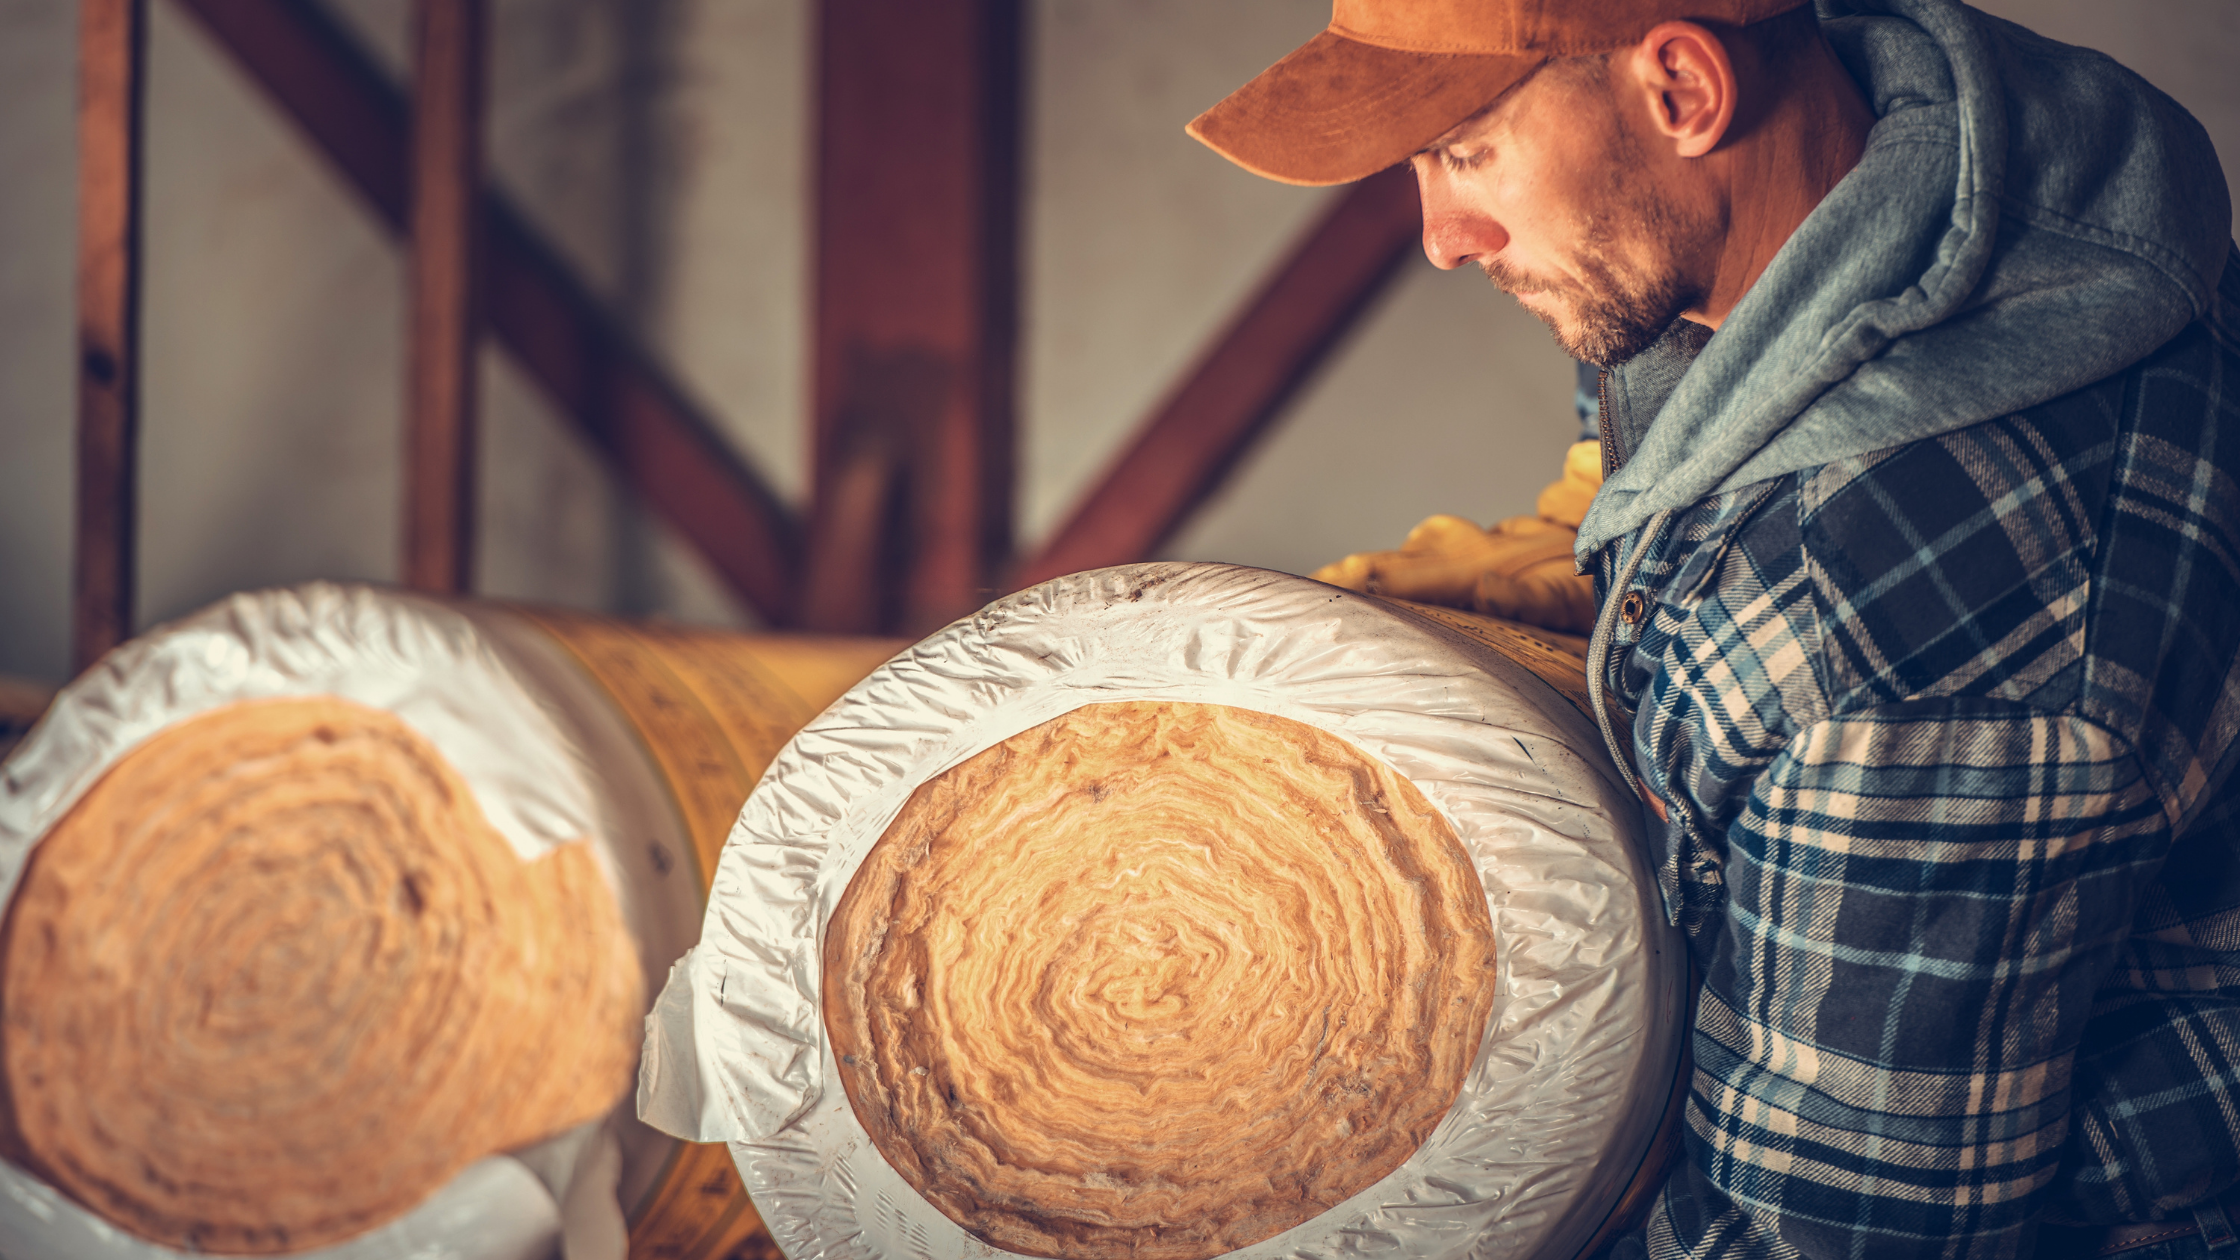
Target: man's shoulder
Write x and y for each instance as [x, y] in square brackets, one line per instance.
[2050, 557]
[2163, 630]
[2063, 556]
[1959, 564]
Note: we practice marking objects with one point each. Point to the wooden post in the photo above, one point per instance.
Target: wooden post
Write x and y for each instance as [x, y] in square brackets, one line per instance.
[447, 91]
[916, 299]
[112, 57]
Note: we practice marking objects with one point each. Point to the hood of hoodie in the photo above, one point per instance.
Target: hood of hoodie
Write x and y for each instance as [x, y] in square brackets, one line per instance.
[2028, 218]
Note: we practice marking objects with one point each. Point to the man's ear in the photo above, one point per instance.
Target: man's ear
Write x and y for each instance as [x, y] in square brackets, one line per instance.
[1683, 72]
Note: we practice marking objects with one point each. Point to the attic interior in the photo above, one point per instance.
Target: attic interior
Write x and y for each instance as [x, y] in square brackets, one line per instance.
[579, 399]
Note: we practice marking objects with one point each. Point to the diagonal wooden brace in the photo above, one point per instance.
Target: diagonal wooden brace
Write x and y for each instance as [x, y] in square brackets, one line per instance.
[587, 365]
[1237, 389]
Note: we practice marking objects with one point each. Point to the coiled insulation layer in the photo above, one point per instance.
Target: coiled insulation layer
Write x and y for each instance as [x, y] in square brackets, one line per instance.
[1156, 980]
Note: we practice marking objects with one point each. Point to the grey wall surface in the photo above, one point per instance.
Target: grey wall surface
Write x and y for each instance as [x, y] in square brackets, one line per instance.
[37, 165]
[663, 145]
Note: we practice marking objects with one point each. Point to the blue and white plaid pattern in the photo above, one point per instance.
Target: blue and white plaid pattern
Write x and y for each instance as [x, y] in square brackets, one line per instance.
[1942, 733]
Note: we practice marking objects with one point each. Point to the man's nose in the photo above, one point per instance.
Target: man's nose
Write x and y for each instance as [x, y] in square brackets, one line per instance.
[1454, 236]
[1454, 232]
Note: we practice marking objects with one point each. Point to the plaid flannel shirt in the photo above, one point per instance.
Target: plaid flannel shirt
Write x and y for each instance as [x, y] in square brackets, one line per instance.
[1941, 732]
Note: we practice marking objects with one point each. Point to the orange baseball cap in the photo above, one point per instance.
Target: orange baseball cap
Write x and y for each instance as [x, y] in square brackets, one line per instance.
[1388, 77]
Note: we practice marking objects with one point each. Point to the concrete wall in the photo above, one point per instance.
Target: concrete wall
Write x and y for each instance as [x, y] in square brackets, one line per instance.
[661, 143]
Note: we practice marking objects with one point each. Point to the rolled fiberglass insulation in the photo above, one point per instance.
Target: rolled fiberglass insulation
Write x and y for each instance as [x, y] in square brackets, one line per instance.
[333, 914]
[1179, 911]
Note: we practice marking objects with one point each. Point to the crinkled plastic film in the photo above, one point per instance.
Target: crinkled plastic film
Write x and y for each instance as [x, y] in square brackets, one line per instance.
[458, 678]
[1579, 1051]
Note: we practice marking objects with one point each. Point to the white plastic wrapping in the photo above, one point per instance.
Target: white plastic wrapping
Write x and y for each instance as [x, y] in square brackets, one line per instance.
[548, 761]
[1579, 1052]
[495, 1209]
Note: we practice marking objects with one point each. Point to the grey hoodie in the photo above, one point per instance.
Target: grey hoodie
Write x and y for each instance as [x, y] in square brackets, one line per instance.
[2028, 218]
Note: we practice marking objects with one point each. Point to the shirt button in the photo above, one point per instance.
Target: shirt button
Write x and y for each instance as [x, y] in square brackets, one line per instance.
[1633, 607]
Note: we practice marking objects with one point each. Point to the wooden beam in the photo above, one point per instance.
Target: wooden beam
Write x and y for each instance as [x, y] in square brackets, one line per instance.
[1237, 389]
[916, 300]
[112, 60]
[591, 370]
[449, 54]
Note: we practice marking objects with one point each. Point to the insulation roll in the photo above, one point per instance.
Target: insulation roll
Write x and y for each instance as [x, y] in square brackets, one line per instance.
[333, 914]
[1180, 911]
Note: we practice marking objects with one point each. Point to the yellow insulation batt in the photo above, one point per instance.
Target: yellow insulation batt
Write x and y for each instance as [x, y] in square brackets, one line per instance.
[1165, 1046]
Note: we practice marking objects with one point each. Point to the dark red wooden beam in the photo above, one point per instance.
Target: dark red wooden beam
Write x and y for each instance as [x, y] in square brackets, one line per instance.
[444, 329]
[1238, 388]
[916, 295]
[587, 365]
[112, 58]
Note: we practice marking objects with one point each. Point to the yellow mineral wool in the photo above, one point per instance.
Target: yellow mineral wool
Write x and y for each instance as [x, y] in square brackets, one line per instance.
[1157, 980]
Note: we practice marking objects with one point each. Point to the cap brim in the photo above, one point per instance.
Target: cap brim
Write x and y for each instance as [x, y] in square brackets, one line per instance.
[1337, 110]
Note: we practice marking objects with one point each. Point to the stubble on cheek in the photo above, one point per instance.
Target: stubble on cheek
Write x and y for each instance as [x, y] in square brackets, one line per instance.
[1626, 289]
[1624, 286]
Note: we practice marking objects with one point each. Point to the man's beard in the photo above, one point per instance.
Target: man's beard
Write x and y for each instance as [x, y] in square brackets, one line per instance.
[1614, 313]
[1617, 307]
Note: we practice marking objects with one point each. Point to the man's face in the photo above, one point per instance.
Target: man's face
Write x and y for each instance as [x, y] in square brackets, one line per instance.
[1550, 193]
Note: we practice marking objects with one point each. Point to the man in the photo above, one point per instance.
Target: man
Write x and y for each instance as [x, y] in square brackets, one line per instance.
[1918, 573]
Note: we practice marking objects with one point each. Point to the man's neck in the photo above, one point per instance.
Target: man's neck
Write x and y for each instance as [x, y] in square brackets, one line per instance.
[1778, 172]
